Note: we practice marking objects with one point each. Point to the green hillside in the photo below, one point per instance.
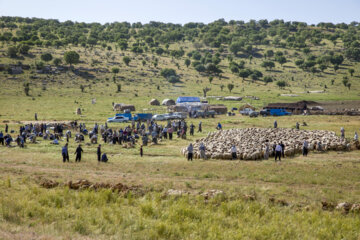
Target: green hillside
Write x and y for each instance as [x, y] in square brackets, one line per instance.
[257, 58]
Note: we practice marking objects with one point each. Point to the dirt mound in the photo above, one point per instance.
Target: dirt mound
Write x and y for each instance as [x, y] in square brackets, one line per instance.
[85, 184]
[344, 207]
[47, 183]
[251, 142]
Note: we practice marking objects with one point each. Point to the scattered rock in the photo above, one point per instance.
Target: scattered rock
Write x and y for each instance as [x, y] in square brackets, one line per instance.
[47, 183]
[154, 102]
[249, 197]
[174, 192]
[344, 206]
[280, 202]
[211, 193]
[327, 206]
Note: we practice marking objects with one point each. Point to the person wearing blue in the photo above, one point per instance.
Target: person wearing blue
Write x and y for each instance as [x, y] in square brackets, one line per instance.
[278, 150]
[219, 127]
[104, 158]
[1, 138]
[8, 141]
[65, 153]
[190, 150]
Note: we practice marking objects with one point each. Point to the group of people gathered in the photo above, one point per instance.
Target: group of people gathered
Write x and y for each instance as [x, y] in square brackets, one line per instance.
[145, 133]
[149, 132]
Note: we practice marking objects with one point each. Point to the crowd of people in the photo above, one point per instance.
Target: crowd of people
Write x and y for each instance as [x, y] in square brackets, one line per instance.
[144, 133]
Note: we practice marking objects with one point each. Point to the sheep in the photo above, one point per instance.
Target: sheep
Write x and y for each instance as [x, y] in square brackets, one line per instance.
[250, 142]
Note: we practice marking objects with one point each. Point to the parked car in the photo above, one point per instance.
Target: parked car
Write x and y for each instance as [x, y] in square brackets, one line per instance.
[246, 111]
[118, 119]
[181, 115]
[159, 117]
[205, 114]
[172, 116]
[253, 114]
[274, 112]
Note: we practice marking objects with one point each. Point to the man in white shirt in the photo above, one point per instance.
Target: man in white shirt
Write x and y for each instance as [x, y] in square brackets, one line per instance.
[278, 150]
[233, 152]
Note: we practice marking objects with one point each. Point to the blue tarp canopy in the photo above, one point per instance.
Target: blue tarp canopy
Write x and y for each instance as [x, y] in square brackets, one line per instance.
[187, 99]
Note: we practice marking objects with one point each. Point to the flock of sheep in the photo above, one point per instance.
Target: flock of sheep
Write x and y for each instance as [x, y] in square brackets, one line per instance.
[251, 142]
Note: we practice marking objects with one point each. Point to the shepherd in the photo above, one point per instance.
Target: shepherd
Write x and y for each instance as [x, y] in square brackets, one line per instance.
[78, 152]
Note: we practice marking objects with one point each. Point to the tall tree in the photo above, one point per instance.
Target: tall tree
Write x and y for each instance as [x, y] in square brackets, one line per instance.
[230, 86]
[126, 60]
[71, 57]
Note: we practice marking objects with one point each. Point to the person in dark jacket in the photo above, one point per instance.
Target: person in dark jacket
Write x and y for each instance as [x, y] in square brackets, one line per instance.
[99, 152]
[65, 153]
[282, 149]
[200, 127]
[6, 128]
[1, 138]
[78, 152]
[104, 158]
[192, 127]
[190, 149]
[141, 151]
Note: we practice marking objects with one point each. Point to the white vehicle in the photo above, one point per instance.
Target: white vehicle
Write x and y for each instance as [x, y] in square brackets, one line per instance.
[246, 111]
[118, 119]
[171, 116]
[159, 117]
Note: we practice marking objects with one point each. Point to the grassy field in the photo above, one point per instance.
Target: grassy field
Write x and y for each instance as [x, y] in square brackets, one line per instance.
[28, 211]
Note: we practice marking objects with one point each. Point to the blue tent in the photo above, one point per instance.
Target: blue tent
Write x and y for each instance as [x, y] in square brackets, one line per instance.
[187, 99]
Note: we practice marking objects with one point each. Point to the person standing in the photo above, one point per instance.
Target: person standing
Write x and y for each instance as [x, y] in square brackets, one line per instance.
[165, 132]
[319, 146]
[278, 150]
[1, 138]
[233, 152]
[356, 137]
[297, 125]
[6, 128]
[342, 130]
[190, 150]
[282, 149]
[99, 152]
[78, 152]
[170, 132]
[202, 150]
[141, 151]
[305, 148]
[22, 142]
[192, 126]
[275, 124]
[267, 150]
[36, 117]
[200, 127]
[65, 153]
